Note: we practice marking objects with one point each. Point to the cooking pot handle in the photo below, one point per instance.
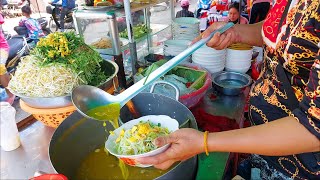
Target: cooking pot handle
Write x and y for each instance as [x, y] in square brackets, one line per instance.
[166, 83]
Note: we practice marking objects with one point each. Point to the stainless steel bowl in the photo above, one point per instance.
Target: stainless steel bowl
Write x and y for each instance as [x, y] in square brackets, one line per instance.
[231, 83]
[110, 69]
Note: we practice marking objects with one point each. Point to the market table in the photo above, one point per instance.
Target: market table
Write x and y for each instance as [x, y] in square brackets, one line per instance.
[33, 156]
[213, 167]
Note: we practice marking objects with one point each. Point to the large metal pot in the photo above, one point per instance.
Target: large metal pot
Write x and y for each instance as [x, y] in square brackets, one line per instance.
[76, 137]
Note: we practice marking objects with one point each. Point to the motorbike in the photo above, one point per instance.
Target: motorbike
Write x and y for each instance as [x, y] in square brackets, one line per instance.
[202, 5]
[23, 31]
[18, 48]
[54, 24]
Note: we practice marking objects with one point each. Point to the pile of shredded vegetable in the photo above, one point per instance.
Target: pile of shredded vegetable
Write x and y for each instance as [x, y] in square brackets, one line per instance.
[140, 138]
[33, 80]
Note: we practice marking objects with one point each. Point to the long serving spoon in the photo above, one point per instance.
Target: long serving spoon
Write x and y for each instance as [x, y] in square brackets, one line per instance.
[87, 97]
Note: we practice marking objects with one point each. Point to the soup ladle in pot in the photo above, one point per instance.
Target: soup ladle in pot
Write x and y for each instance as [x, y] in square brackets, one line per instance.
[87, 97]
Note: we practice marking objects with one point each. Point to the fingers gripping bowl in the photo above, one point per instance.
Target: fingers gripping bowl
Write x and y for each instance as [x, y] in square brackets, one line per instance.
[134, 139]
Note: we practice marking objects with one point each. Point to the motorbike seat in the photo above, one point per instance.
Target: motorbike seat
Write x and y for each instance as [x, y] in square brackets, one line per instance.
[15, 44]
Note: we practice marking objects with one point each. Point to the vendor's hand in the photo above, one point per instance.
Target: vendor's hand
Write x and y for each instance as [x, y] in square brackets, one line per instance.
[219, 41]
[185, 143]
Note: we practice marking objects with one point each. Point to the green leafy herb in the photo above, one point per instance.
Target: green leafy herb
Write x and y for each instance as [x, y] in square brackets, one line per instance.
[70, 50]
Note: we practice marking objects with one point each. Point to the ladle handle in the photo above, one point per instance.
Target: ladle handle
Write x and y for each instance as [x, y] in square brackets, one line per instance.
[132, 91]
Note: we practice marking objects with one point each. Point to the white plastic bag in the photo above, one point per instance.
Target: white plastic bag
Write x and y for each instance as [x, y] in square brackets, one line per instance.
[10, 139]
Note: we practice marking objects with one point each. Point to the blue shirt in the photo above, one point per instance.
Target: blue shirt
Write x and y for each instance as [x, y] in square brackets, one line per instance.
[66, 3]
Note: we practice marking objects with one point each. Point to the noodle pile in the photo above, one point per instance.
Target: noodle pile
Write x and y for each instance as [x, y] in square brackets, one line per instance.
[103, 43]
[33, 80]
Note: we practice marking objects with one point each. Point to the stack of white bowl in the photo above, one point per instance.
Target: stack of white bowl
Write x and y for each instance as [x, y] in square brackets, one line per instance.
[175, 47]
[210, 59]
[185, 28]
[239, 59]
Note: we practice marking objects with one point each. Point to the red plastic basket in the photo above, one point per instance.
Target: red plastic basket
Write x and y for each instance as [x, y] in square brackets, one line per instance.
[193, 98]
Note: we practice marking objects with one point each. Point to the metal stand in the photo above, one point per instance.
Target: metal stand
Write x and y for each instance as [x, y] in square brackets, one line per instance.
[147, 22]
[116, 48]
[132, 45]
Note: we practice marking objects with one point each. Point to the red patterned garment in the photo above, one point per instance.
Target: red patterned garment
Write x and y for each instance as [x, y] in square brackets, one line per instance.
[296, 49]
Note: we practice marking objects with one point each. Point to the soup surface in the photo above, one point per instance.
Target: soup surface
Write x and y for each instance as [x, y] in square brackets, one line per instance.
[99, 165]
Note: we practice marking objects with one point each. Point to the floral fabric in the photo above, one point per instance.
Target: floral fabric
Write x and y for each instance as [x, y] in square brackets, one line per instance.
[296, 49]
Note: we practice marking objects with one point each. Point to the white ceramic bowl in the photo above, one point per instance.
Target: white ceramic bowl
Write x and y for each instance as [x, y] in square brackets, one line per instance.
[208, 50]
[177, 43]
[219, 61]
[131, 160]
[212, 68]
[185, 28]
[175, 47]
[208, 57]
[240, 69]
[186, 20]
[215, 70]
[239, 54]
[238, 65]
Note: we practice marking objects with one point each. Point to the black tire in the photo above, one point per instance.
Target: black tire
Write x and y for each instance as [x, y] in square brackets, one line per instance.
[52, 26]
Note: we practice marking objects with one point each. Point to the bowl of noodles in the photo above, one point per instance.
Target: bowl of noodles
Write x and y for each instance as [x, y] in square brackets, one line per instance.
[135, 139]
[59, 63]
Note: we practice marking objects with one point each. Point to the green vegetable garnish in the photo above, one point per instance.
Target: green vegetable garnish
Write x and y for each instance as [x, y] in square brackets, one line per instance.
[70, 50]
[139, 31]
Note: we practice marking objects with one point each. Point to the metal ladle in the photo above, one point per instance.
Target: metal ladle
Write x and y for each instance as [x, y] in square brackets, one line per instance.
[87, 97]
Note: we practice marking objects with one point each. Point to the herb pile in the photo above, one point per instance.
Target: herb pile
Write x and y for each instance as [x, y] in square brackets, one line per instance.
[59, 63]
[70, 50]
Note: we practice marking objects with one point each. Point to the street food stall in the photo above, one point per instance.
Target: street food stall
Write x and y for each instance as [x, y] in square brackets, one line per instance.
[198, 95]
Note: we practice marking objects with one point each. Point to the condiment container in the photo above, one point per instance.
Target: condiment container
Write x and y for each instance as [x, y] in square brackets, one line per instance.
[10, 139]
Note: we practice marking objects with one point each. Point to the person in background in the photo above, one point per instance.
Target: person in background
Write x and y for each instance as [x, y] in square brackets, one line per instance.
[185, 10]
[32, 25]
[4, 75]
[234, 14]
[67, 6]
[259, 10]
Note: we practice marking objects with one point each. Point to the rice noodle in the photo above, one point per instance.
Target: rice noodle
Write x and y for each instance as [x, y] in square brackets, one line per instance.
[32, 80]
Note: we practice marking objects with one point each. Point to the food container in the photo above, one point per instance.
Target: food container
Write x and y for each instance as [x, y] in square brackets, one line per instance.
[10, 139]
[49, 117]
[231, 83]
[131, 160]
[193, 73]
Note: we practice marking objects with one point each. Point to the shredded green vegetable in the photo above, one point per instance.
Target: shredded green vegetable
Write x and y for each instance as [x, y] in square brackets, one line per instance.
[140, 138]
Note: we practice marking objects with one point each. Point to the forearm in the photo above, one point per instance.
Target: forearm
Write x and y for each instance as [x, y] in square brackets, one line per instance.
[249, 33]
[285, 136]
